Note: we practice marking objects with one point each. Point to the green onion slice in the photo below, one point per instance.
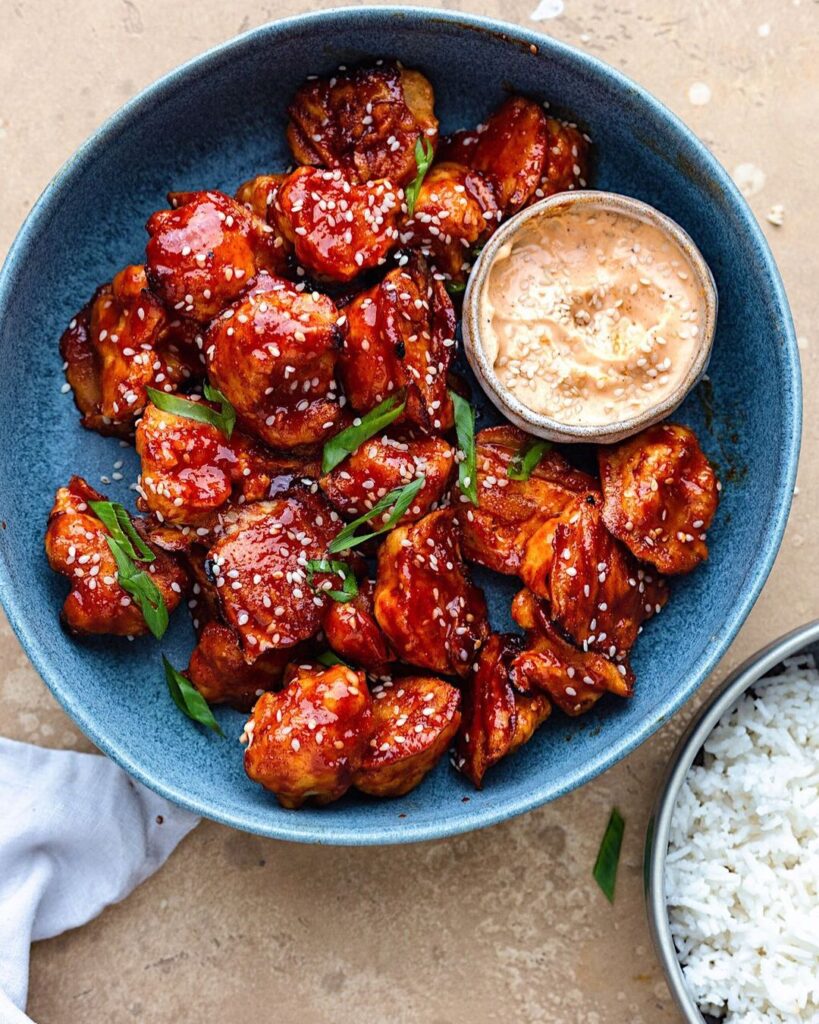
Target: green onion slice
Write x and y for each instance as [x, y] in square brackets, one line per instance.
[527, 459]
[455, 287]
[465, 431]
[224, 419]
[138, 583]
[605, 867]
[328, 659]
[398, 500]
[349, 588]
[188, 699]
[117, 521]
[424, 154]
[339, 447]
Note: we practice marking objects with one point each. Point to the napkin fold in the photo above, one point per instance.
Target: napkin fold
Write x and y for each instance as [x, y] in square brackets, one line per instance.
[76, 834]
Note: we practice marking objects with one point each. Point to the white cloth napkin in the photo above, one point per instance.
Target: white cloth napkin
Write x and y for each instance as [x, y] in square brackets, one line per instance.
[76, 834]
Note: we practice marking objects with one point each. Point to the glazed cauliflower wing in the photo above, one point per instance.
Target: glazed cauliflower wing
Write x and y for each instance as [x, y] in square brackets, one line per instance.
[509, 512]
[191, 471]
[353, 633]
[456, 210]
[337, 228]
[510, 148]
[401, 338]
[273, 354]
[660, 495]
[203, 253]
[366, 121]
[573, 679]
[430, 612]
[415, 720]
[307, 741]
[383, 464]
[220, 673]
[259, 566]
[599, 595]
[497, 719]
[76, 547]
[121, 342]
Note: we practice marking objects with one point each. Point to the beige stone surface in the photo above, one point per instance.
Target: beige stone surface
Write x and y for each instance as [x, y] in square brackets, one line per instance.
[505, 924]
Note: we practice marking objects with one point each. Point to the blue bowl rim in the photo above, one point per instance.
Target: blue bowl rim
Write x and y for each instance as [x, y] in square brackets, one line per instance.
[335, 832]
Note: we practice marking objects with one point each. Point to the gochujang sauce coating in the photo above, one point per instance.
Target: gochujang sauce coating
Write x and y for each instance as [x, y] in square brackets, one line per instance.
[76, 547]
[599, 596]
[352, 632]
[203, 254]
[307, 741]
[382, 464]
[191, 471]
[122, 341]
[510, 148]
[525, 154]
[496, 718]
[431, 613]
[509, 512]
[401, 338]
[220, 673]
[366, 121]
[273, 355]
[338, 229]
[415, 719]
[260, 569]
[573, 679]
[455, 212]
[660, 495]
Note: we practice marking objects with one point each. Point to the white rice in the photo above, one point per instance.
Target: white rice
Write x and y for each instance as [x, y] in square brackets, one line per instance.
[742, 876]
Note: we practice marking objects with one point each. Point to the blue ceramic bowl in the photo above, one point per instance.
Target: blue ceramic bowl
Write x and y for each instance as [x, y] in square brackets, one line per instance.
[219, 120]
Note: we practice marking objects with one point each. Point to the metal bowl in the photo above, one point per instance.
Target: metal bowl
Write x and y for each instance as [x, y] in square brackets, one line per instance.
[505, 400]
[764, 662]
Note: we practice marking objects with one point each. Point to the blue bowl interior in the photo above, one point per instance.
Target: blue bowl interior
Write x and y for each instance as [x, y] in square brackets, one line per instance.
[219, 121]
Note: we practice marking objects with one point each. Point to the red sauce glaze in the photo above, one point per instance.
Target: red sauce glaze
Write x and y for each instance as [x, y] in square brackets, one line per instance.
[430, 612]
[76, 547]
[384, 463]
[202, 255]
[337, 228]
[306, 742]
[401, 338]
[273, 354]
[259, 566]
[366, 121]
[415, 719]
[122, 341]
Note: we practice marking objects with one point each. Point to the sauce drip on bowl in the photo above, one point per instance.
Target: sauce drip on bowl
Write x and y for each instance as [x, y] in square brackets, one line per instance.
[591, 316]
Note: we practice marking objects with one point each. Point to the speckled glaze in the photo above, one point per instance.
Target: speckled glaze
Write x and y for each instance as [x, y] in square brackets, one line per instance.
[217, 121]
[504, 400]
[768, 661]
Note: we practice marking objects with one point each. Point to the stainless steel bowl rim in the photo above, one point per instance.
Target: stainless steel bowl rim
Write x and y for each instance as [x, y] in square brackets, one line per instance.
[546, 426]
[725, 697]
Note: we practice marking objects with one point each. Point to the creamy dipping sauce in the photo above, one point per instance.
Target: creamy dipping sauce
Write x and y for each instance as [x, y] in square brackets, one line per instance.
[591, 316]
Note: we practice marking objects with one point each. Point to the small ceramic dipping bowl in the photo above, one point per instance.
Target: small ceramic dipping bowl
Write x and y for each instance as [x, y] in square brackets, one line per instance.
[474, 305]
[804, 640]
